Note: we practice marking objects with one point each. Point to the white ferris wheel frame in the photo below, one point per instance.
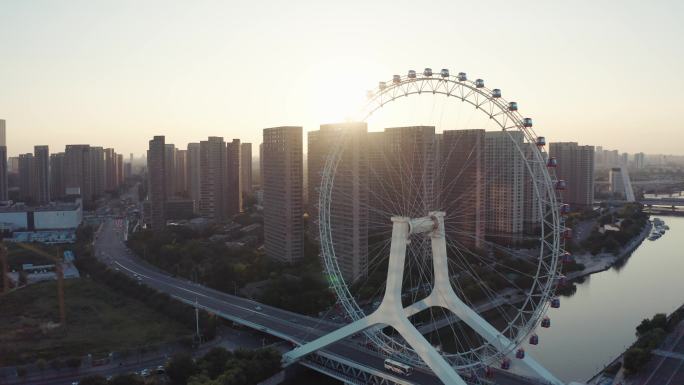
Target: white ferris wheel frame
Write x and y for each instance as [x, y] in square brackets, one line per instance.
[444, 365]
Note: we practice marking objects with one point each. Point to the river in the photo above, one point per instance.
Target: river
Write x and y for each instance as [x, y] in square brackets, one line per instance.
[597, 323]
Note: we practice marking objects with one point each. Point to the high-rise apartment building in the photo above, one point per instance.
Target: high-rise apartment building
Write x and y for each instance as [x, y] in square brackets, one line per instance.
[57, 186]
[3, 161]
[156, 166]
[576, 167]
[213, 165]
[170, 169]
[119, 170]
[78, 171]
[639, 161]
[409, 172]
[504, 181]
[110, 169]
[193, 173]
[181, 173]
[233, 178]
[41, 189]
[282, 177]
[349, 210]
[246, 164]
[27, 177]
[461, 168]
[98, 167]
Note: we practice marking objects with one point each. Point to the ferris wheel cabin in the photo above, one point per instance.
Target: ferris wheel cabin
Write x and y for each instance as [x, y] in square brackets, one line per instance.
[444, 73]
[512, 106]
[462, 77]
[412, 74]
[479, 83]
[496, 93]
[427, 72]
[396, 79]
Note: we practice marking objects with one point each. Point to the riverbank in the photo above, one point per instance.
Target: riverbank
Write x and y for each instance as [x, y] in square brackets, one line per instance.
[604, 261]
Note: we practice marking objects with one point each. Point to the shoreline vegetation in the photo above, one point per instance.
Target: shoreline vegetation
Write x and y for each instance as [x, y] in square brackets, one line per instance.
[601, 251]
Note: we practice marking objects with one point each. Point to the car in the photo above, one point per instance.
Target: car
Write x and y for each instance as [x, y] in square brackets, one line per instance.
[161, 369]
[258, 308]
[145, 373]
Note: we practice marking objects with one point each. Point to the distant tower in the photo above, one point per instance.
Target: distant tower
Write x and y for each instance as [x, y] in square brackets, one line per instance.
[41, 188]
[156, 162]
[246, 166]
[3, 162]
[282, 165]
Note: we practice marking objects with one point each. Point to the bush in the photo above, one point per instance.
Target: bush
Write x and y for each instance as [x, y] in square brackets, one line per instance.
[635, 359]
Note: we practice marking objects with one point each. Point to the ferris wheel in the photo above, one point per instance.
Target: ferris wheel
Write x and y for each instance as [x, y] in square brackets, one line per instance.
[443, 248]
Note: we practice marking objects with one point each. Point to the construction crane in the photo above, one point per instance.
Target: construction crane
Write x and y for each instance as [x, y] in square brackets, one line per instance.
[58, 271]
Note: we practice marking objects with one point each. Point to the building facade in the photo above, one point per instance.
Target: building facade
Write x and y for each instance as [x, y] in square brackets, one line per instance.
[246, 168]
[156, 166]
[282, 165]
[576, 167]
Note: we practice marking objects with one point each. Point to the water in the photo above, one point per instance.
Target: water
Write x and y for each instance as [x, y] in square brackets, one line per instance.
[598, 322]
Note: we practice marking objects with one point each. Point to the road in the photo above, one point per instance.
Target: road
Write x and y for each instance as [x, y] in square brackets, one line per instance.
[289, 326]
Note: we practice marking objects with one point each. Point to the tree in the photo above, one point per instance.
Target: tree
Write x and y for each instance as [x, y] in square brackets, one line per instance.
[214, 362]
[180, 368]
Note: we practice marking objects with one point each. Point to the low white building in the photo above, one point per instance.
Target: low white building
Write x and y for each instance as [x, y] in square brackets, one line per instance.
[55, 216]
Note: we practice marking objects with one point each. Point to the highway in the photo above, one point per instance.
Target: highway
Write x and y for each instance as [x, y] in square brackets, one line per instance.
[296, 328]
[289, 326]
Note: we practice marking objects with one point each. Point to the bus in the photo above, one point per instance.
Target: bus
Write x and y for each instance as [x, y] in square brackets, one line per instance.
[398, 367]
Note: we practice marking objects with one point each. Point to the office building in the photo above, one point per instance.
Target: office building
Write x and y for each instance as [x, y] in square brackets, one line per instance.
[246, 164]
[156, 166]
[576, 167]
[282, 177]
[98, 167]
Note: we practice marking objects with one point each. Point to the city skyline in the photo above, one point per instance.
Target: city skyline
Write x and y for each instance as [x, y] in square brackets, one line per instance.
[155, 77]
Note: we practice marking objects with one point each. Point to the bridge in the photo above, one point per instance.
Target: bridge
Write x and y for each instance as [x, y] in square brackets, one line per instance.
[348, 361]
[669, 202]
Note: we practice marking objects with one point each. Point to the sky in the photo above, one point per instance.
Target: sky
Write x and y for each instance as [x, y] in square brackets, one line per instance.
[115, 73]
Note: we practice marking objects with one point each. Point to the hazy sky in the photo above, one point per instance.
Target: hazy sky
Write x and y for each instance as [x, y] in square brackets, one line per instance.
[115, 73]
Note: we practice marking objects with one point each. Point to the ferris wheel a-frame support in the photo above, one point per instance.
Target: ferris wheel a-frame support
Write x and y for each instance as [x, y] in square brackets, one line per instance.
[392, 313]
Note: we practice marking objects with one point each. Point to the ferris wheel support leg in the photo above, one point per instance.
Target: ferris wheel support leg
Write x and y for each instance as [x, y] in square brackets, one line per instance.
[390, 312]
[443, 295]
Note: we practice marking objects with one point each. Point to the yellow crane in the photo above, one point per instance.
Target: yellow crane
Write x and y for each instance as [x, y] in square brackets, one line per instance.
[58, 271]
